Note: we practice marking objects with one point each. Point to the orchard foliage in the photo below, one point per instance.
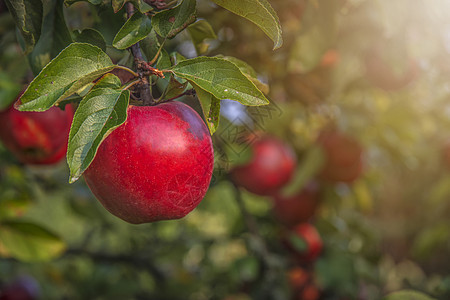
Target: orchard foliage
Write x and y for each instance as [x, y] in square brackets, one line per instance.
[354, 91]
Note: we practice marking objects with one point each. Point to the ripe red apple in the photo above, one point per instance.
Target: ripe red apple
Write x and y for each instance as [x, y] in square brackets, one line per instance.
[36, 137]
[299, 208]
[272, 166]
[155, 166]
[343, 157]
[304, 242]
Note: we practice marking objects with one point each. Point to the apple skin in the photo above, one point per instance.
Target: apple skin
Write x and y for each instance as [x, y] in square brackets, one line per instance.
[309, 234]
[155, 166]
[36, 138]
[272, 166]
[299, 208]
[343, 157]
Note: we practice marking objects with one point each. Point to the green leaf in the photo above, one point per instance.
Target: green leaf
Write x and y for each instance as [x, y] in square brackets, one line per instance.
[140, 4]
[163, 61]
[298, 243]
[210, 107]
[199, 32]
[90, 36]
[221, 78]
[135, 29]
[150, 45]
[73, 68]
[29, 242]
[9, 90]
[93, 2]
[102, 110]
[168, 23]
[28, 16]
[173, 89]
[260, 13]
[248, 71]
[310, 165]
[407, 295]
[54, 37]
[307, 51]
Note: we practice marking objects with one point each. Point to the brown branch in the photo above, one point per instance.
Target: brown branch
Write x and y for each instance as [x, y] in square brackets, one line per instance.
[143, 88]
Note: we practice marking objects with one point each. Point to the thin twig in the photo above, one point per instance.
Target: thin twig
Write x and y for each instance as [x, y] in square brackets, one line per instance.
[130, 84]
[190, 92]
[144, 88]
[127, 69]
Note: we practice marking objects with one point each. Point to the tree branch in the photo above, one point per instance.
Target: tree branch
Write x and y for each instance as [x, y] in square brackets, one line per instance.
[144, 86]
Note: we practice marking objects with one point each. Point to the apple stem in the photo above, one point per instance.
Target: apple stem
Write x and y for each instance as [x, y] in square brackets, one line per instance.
[141, 65]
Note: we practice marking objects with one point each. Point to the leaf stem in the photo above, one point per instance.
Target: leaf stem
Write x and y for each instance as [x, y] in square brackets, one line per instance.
[128, 70]
[190, 92]
[131, 83]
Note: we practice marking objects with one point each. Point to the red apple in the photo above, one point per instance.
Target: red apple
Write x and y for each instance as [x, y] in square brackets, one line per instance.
[304, 242]
[155, 166]
[272, 166]
[36, 137]
[343, 157]
[299, 208]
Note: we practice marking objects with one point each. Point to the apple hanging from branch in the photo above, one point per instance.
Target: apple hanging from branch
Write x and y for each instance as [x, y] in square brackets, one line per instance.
[38, 138]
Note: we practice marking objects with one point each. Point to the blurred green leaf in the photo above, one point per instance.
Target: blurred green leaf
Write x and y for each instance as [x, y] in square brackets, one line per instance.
[29, 242]
[72, 69]
[307, 51]
[407, 295]
[431, 238]
[309, 166]
[135, 29]
[93, 2]
[199, 32]
[28, 15]
[102, 110]
[168, 23]
[9, 90]
[54, 37]
[260, 12]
